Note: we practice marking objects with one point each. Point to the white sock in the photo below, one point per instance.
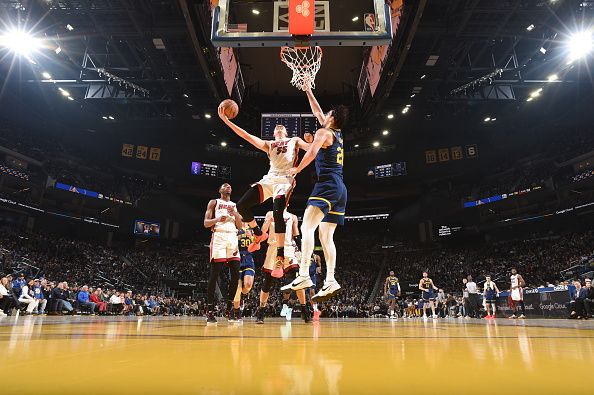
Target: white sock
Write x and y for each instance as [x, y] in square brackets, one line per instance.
[311, 220]
[327, 240]
[315, 307]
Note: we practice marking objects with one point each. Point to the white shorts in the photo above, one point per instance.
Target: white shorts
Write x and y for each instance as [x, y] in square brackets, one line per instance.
[517, 294]
[273, 186]
[224, 246]
[290, 263]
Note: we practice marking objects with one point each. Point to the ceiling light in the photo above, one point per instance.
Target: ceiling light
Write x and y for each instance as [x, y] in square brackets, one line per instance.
[536, 93]
[69, 27]
[493, 119]
[64, 93]
[255, 11]
[356, 145]
[487, 119]
[186, 95]
[423, 76]
[413, 95]
[207, 116]
[46, 75]
[70, 98]
[189, 104]
[580, 44]
[386, 132]
[530, 99]
[223, 144]
[390, 116]
[543, 50]
[355, 19]
[111, 117]
[20, 42]
[553, 77]
[58, 50]
[376, 144]
[530, 28]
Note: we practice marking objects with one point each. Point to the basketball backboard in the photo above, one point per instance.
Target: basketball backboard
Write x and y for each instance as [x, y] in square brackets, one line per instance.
[238, 23]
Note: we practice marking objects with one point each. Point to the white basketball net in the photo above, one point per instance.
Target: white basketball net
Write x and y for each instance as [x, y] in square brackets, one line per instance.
[305, 63]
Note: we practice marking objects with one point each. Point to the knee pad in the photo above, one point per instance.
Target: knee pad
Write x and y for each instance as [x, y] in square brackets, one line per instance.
[278, 208]
[267, 284]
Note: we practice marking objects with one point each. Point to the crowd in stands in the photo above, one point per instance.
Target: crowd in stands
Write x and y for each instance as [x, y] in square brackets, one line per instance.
[89, 277]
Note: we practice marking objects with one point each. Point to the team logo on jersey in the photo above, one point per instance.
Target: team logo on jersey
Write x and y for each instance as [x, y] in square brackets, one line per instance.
[303, 8]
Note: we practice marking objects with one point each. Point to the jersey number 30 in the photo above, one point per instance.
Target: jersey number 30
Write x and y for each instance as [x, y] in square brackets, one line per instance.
[339, 156]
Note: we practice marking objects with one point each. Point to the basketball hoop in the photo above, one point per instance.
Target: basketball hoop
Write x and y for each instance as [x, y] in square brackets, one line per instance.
[305, 63]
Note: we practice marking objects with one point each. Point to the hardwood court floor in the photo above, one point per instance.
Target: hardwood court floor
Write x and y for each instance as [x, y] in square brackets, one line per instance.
[180, 355]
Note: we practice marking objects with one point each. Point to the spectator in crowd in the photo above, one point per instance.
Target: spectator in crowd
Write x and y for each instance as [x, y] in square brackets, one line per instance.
[115, 302]
[95, 297]
[6, 300]
[18, 283]
[589, 301]
[60, 293]
[577, 299]
[27, 297]
[84, 300]
[39, 297]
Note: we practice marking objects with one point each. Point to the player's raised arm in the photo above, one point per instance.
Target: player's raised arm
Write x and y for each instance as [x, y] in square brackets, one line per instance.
[209, 218]
[250, 138]
[304, 144]
[315, 107]
[320, 138]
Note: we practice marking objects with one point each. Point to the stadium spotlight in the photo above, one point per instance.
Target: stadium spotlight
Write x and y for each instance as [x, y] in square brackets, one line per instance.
[376, 143]
[69, 27]
[553, 77]
[536, 93]
[390, 116]
[64, 92]
[207, 116]
[223, 144]
[104, 117]
[355, 19]
[530, 99]
[70, 98]
[255, 11]
[111, 117]
[356, 145]
[46, 75]
[20, 42]
[580, 44]
[487, 119]
[530, 28]
[386, 132]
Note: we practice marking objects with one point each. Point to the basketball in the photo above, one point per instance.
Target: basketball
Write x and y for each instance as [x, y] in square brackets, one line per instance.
[231, 108]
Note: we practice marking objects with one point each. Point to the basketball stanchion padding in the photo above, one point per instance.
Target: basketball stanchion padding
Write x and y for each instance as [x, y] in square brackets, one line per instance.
[301, 17]
[305, 63]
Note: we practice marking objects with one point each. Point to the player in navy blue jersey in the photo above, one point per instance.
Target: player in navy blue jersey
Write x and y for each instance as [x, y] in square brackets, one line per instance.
[426, 285]
[247, 271]
[327, 202]
[315, 269]
[392, 291]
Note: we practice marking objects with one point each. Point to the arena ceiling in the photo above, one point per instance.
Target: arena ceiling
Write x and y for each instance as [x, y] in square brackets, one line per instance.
[486, 46]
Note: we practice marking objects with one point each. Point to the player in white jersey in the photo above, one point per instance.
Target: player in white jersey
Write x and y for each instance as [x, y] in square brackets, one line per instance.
[517, 293]
[274, 268]
[278, 184]
[222, 218]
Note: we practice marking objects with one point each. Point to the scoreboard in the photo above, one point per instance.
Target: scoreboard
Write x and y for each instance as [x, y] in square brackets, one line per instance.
[448, 230]
[205, 169]
[297, 124]
[391, 170]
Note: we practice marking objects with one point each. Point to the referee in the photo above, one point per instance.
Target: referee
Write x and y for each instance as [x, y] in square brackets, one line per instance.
[473, 298]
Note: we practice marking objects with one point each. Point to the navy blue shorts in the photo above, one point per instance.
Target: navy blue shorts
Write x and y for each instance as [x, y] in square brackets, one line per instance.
[330, 195]
[247, 266]
[428, 296]
[313, 275]
[490, 296]
[392, 293]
